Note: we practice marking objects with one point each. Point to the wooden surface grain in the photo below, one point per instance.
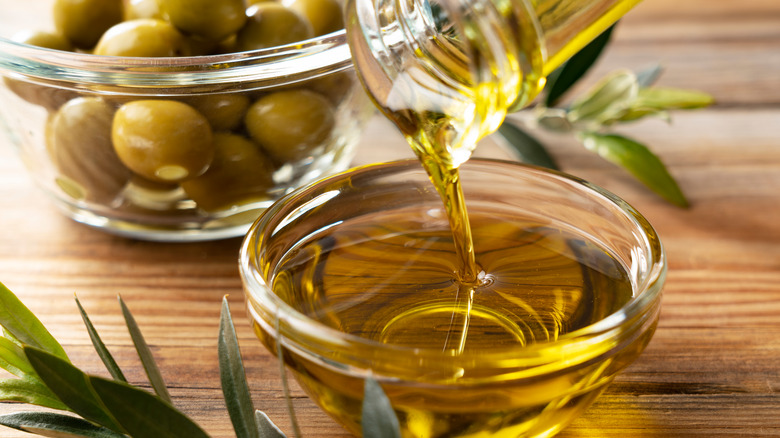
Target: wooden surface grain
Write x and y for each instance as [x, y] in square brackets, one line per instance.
[713, 367]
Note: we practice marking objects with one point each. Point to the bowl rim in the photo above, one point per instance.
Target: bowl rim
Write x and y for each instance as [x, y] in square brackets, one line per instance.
[637, 311]
[273, 66]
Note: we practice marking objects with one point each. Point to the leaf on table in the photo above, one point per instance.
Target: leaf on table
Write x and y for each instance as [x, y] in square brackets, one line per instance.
[145, 354]
[525, 147]
[379, 419]
[234, 386]
[266, 428]
[609, 98]
[141, 413]
[24, 326]
[54, 425]
[70, 385]
[100, 347]
[562, 79]
[12, 359]
[639, 161]
[31, 392]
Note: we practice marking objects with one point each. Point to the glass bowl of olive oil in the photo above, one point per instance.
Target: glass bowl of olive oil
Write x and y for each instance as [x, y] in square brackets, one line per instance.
[150, 119]
[356, 276]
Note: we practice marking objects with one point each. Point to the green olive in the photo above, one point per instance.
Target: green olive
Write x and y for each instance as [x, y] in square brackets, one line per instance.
[47, 40]
[143, 37]
[82, 22]
[225, 112]
[50, 98]
[79, 143]
[335, 86]
[289, 125]
[270, 24]
[162, 140]
[212, 20]
[240, 173]
[135, 9]
[325, 16]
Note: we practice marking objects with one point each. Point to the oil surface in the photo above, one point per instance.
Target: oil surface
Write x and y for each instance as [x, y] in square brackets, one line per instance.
[396, 282]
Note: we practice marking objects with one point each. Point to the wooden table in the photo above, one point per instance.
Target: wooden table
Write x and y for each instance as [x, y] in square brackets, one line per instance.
[713, 367]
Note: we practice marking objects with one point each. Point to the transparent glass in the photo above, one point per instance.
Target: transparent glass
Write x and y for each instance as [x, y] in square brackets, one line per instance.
[447, 71]
[371, 251]
[73, 162]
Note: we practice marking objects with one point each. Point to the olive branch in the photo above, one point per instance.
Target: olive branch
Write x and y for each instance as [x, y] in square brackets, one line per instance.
[98, 407]
[620, 97]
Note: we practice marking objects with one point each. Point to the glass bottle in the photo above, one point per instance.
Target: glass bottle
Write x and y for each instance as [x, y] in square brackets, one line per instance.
[447, 71]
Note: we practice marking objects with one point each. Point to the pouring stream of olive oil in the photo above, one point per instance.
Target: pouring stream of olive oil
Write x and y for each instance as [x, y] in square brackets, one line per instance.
[446, 74]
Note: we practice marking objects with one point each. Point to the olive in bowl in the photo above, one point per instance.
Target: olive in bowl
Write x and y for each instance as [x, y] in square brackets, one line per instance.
[176, 121]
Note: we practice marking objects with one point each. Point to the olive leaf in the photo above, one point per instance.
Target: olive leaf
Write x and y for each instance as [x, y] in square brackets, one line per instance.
[525, 147]
[266, 428]
[142, 414]
[12, 359]
[71, 386]
[378, 418]
[610, 97]
[100, 347]
[649, 76]
[672, 98]
[639, 161]
[283, 374]
[234, 386]
[30, 391]
[562, 79]
[24, 326]
[147, 359]
[56, 425]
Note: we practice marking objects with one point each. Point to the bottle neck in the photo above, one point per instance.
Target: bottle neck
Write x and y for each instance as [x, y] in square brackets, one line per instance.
[446, 71]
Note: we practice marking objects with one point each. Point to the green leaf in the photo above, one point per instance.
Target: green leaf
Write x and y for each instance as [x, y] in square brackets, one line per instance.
[266, 428]
[283, 374]
[12, 359]
[672, 98]
[70, 385]
[526, 148]
[141, 413]
[636, 113]
[562, 79]
[100, 347]
[648, 76]
[29, 391]
[23, 325]
[234, 386]
[610, 97]
[639, 161]
[379, 419]
[147, 360]
[55, 425]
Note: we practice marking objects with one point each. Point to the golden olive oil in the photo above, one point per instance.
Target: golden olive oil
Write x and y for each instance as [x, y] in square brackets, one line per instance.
[392, 279]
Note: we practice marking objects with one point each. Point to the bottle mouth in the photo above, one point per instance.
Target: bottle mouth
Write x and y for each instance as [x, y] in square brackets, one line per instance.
[272, 67]
[645, 264]
[446, 71]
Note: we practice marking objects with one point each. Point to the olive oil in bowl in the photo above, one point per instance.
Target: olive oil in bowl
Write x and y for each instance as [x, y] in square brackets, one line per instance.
[358, 276]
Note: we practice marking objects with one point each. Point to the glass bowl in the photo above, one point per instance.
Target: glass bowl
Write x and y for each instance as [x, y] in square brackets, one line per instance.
[57, 108]
[354, 277]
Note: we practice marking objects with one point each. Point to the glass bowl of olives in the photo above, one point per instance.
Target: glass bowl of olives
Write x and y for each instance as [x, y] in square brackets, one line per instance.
[177, 120]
